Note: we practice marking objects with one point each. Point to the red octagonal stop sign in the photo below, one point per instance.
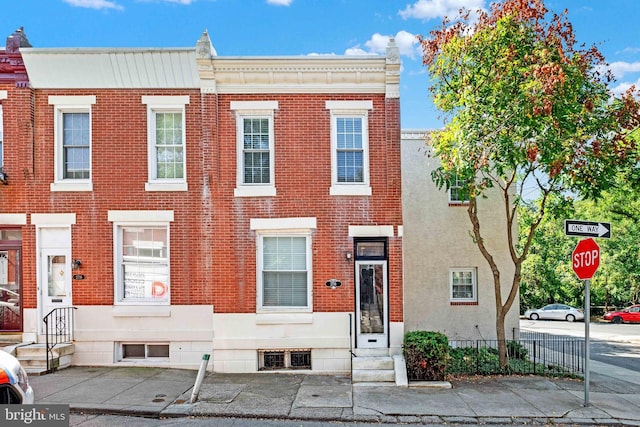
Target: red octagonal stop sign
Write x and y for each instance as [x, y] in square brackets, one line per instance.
[586, 258]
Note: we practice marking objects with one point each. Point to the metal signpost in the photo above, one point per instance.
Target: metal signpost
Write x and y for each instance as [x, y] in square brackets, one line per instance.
[585, 260]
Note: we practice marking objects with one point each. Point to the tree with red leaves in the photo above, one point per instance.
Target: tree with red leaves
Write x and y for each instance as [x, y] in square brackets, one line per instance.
[524, 107]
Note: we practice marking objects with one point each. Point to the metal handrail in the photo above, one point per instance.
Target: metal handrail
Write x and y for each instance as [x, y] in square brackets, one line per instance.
[58, 328]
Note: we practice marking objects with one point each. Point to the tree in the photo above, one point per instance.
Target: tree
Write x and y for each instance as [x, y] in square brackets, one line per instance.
[523, 106]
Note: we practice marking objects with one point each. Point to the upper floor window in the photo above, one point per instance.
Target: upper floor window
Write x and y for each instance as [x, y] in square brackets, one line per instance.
[167, 154]
[349, 147]
[458, 193]
[255, 175]
[141, 247]
[72, 147]
[463, 285]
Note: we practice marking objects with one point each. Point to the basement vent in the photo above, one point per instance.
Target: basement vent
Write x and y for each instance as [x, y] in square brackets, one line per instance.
[284, 359]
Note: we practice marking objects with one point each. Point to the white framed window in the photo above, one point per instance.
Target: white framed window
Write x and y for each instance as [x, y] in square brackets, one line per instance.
[141, 257]
[255, 158]
[72, 142]
[284, 264]
[349, 147]
[166, 143]
[457, 192]
[463, 285]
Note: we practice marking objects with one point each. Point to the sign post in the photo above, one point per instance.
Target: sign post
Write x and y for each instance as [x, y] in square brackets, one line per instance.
[585, 261]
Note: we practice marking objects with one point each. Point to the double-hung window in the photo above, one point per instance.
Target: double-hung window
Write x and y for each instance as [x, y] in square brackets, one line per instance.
[141, 250]
[255, 164]
[284, 264]
[167, 154]
[349, 147]
[463, 285]
[458, 193]
[72, 147]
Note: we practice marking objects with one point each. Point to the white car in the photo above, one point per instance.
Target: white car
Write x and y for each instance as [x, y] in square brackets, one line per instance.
[555, 312]
[14, 382]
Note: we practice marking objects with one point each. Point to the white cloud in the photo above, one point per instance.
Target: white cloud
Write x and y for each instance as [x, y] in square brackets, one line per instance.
[620, 68]
[430, 9]
[95, 4]
[377, 44]
[622, 87]
[280, 2]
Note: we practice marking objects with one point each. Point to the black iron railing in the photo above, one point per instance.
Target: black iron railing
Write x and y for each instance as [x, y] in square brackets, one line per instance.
[59, 327]
[539, 355]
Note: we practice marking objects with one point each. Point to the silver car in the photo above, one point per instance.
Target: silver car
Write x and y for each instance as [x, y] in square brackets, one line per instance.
[555, 312]
[14, 382]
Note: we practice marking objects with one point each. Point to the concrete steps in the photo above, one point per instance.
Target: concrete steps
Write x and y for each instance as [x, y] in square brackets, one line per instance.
[373, 366]
[33, 357]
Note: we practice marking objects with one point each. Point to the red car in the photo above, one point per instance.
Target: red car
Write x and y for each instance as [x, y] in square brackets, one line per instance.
[628, 315]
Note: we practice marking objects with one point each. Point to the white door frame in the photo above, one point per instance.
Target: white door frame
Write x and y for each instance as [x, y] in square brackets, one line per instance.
[372, 307]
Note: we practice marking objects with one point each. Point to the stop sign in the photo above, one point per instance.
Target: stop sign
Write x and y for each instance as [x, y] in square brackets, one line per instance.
[586, 258]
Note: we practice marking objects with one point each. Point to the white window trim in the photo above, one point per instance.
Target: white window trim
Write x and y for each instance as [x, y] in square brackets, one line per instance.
[451, 200]
[137, 219]
[474, 275]
[164, 104]
[349, 109]
[254, 109]
[70, 104]
[267, 227]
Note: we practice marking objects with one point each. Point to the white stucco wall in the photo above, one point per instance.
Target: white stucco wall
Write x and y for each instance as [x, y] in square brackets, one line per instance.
[437, 237]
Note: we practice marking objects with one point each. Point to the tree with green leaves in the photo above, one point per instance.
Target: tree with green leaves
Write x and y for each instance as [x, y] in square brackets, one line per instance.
[523, 106]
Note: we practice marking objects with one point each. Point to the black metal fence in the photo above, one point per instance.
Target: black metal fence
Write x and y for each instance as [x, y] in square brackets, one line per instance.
[530, 353]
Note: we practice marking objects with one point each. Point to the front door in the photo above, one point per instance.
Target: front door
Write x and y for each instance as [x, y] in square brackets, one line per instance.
[372, 312]
[10, 289]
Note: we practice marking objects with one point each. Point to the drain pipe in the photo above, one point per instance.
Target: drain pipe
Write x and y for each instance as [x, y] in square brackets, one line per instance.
[201, 373]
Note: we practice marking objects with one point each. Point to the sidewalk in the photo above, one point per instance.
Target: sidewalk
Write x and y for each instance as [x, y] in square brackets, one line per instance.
[614, 397]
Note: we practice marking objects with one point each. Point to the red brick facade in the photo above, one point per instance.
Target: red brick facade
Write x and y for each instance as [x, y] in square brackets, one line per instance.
[212, 248]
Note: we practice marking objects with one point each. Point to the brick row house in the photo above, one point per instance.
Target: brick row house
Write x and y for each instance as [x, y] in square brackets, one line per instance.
[189, 203]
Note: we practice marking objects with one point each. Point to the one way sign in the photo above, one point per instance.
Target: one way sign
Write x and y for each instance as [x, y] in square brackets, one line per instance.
[574, 227]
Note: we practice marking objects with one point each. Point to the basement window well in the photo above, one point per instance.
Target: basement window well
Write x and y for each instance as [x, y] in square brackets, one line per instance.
[143, 351]
[270, 360]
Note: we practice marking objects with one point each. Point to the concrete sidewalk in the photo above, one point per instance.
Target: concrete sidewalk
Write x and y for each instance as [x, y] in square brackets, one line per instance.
[614, 397]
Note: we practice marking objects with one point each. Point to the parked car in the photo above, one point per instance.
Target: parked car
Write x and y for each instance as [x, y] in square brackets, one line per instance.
[14, 382]
[555, 312]
[630, 314]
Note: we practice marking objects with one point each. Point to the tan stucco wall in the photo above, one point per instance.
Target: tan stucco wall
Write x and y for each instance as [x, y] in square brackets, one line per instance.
[437, 237]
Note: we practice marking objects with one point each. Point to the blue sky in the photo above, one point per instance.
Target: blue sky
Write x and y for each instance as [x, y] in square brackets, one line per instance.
[304, 27]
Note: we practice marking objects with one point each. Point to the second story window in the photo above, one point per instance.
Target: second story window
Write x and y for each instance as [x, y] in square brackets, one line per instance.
[76, 157]
[72, 147]
[458, 194]
[255, 141]
[167, 154]
[350, 147]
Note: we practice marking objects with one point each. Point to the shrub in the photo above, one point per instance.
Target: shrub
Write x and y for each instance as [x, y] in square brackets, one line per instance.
[426, 355]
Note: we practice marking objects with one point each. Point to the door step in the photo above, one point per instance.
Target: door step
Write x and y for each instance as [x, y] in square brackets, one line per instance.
[373, 366]
[33, 357]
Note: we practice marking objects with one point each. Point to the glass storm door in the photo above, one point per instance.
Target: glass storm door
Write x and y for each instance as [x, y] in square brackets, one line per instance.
[10, 291]
[371, 304]
[55, 282]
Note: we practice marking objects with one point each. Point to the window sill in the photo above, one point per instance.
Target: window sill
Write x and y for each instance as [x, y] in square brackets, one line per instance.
[166, 186]
[463, 302]
[71, 186]
[255, 191]
[350, 190]
[283, 318]
[141, 311]
[463, 204]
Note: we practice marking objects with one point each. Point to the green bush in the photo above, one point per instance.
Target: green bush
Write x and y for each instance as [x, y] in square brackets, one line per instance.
[426, 355]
